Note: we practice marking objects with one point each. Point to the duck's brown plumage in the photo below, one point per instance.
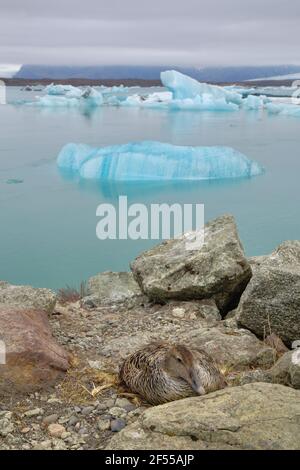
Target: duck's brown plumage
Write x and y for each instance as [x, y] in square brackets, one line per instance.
[162, 372]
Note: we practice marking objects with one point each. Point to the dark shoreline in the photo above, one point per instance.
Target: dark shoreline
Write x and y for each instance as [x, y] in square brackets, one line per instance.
[128, 82]
[80, 82]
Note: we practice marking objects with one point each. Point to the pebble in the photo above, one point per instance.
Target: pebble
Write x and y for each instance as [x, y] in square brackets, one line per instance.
[43, 445]
[25, 430]
[178, 312]
[109, 403]
[53, 400]
[73, 420]
[6, 427]
[56, 430]
[117, 412]
[83, 431]
[50, 419]
[35, 412]
[103, 424]
[87, 410]
[117, 424]
[122, 402]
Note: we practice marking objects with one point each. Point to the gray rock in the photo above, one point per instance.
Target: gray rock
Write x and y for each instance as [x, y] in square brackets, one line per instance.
[73, 420]
[123, 403]
[103, 424]
[27, 297]
[110, 288]
[34, 412]
[217, 270]
[271, 301]
[6, 424]
[287, 369]
[117, 425]
[117, 412]
[50, 419]
[255, 416]
[256, 375]
[231, 348]
[87, 410]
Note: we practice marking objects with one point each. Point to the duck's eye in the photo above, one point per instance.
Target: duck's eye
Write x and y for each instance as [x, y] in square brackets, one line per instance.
[179, 359]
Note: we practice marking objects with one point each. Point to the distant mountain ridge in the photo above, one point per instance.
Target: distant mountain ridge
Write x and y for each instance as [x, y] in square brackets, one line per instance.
[116, 72]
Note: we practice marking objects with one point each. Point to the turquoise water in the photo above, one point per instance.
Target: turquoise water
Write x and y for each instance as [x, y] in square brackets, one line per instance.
[48, 222]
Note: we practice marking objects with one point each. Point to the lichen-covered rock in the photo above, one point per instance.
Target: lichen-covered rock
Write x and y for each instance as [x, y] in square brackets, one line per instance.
[287, 369]
[232, 348]
[217, 270]
[110, 288]
[251, 376]
[27, 297]
[271, 301]
[31, 358]
[255, 416]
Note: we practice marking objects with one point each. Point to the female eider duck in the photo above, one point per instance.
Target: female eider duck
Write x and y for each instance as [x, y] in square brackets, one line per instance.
[163, 372]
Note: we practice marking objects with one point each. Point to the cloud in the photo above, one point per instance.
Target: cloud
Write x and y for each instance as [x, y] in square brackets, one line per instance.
[194, 32]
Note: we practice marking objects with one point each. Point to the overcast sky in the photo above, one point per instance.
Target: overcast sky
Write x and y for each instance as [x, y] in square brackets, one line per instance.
[162, 32]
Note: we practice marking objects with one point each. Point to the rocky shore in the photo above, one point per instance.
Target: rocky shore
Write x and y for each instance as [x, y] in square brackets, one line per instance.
[59, 387]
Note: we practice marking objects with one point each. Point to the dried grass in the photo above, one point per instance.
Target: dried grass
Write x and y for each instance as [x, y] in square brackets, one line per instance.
[83, 384]
[71, 294]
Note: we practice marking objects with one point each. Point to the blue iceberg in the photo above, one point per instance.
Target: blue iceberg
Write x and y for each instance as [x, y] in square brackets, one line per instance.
[254, 102]
[74, 97]
[284, 109]
[150, 161]
[184, 87]
[58, 90]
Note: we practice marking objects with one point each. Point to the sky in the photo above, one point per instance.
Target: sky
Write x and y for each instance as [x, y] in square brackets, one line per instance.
[194, 33]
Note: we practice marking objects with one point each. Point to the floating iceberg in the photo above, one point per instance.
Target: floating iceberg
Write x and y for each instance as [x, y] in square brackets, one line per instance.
[73, 98]
[158, 99]
[59, 89]
[184, 87]
[241, 90]
[280, 91]
[149, 161]
[254, 102]
[283, 109]
[54, 101]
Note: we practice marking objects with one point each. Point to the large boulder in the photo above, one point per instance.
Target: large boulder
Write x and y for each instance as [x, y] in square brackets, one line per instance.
[30, 357]
[27, 297]
[217, 270]
[255, 416]
[109, 288]
[271, 301]
[231, 348]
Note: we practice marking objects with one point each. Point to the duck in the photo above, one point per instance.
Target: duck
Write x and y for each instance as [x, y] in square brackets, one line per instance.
[162, 372]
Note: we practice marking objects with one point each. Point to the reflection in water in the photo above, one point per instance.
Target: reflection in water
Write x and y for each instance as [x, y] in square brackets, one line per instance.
[111, 190]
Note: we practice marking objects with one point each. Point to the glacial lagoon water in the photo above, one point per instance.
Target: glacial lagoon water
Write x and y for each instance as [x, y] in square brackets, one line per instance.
[48, 221]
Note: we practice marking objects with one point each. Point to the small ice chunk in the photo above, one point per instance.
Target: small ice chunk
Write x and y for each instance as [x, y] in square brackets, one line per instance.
[60, 89]
[283, 109]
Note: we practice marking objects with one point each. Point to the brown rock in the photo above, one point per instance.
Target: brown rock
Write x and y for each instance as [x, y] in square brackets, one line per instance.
[33, 359]
[56, 430]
